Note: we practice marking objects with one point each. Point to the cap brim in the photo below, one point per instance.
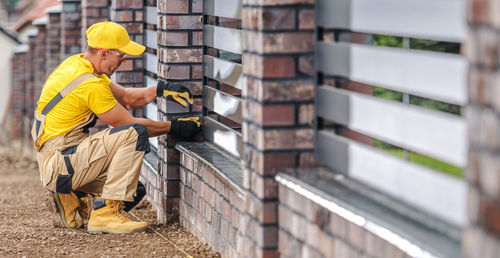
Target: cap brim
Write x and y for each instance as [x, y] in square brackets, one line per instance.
[133, 48]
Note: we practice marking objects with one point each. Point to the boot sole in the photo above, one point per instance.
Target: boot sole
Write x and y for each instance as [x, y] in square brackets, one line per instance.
[92, 229]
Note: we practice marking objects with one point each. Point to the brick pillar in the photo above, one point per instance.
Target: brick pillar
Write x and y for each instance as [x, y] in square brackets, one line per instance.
[180, 59]
[71, 25]
[278, 109]
[130, 14]
[53, 39]
[30, 98]
[39, 58]
[93, 11]
[17, 99]
[481, 238]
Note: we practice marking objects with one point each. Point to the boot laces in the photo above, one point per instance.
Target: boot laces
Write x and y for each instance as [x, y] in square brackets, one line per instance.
[118, 207]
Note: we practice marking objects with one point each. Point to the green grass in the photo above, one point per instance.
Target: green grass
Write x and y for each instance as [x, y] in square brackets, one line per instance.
[428, 162]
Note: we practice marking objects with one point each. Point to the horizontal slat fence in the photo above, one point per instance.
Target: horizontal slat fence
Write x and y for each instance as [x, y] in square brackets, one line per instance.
[222, 72]
[426, 74]
[151, 62]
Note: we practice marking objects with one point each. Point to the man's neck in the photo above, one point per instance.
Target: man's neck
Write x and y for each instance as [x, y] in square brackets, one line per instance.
[93, 61]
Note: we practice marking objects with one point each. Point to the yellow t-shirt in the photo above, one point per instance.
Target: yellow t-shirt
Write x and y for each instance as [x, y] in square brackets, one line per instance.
[93, 95]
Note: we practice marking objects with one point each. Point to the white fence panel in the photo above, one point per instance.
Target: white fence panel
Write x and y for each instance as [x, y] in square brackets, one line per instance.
[432, 133]
[428, 19]
[434, 192]
[427, 74]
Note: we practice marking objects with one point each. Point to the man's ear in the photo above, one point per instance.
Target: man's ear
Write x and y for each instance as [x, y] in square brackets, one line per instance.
[103, 54]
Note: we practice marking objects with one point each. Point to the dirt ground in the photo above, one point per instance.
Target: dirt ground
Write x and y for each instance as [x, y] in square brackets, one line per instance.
[26, 229]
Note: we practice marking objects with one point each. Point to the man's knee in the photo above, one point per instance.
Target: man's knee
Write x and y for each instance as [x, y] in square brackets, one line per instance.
[142, 135]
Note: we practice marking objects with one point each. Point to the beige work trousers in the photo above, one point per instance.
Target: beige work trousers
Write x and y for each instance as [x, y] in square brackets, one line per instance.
[106, 164]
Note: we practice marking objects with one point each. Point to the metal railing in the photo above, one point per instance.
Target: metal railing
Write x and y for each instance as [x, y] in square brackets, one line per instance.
[222, 72]
[425, 74]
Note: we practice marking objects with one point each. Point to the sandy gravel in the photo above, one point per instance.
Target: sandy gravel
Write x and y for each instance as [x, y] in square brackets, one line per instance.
[26, 230]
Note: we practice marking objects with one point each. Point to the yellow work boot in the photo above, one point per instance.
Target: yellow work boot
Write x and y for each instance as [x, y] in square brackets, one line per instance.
[108, 216]
[63, 208]
[85, 207]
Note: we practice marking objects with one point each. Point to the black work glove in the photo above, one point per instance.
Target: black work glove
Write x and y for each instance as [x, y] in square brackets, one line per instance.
[174, 92]
[185, 127]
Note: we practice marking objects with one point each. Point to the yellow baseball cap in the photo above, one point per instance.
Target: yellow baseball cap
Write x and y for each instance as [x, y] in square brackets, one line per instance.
[112, 35]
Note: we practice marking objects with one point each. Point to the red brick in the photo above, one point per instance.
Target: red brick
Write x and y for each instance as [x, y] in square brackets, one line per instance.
[489, 216]
[176, 6]
[306, 114]
[285, 90]
[95, 3]
[278, 115]
[173, 38]
[268, 67]
[183, 55]
[133, 27]
[278, 2]
[268, 19]
[197, 6]
[128, 4]
[279, 139]
[197, 38]
[306, 20]
[306, 65]
[124, 16]
[283, 42]
[174, 72]
[226, 211]
[197, 72]
[127, 66]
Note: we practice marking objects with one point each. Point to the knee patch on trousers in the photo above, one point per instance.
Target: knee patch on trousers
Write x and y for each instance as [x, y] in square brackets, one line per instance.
[142, 135]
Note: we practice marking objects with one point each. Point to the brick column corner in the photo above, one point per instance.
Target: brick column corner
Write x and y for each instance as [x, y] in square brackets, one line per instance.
[278, 109]
[179, 52]
[481, 237]
[71, 25]
[53, 39]
[93, 11]
[17, 98]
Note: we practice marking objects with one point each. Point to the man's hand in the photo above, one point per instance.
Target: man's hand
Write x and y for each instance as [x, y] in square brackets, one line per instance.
[185, 127]
[174, 92]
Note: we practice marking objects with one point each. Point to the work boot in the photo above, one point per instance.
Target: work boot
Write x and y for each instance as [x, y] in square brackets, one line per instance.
[85, 207]
[85, 204]
[108, 216]
[63, 208]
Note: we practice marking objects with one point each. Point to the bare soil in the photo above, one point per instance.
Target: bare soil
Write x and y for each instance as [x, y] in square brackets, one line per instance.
[26, 229]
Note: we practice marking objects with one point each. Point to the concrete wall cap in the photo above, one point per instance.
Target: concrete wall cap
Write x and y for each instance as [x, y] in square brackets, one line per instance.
[32, 32]
[54, 9]
[41, 21]
[21, 49]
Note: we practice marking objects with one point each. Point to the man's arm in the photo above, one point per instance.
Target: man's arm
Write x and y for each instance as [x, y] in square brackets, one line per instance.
[182, 127]
[131, 98]
[118, 116]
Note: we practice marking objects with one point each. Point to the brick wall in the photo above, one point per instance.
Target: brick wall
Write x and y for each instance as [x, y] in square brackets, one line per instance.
[17, 106]
[313, 225]
[211, 207]
[130, 14]
[179, 35]
[482, 237]
[30, 99]
[40, 54]
[278, 108]
[71, 25]
[93, 11]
